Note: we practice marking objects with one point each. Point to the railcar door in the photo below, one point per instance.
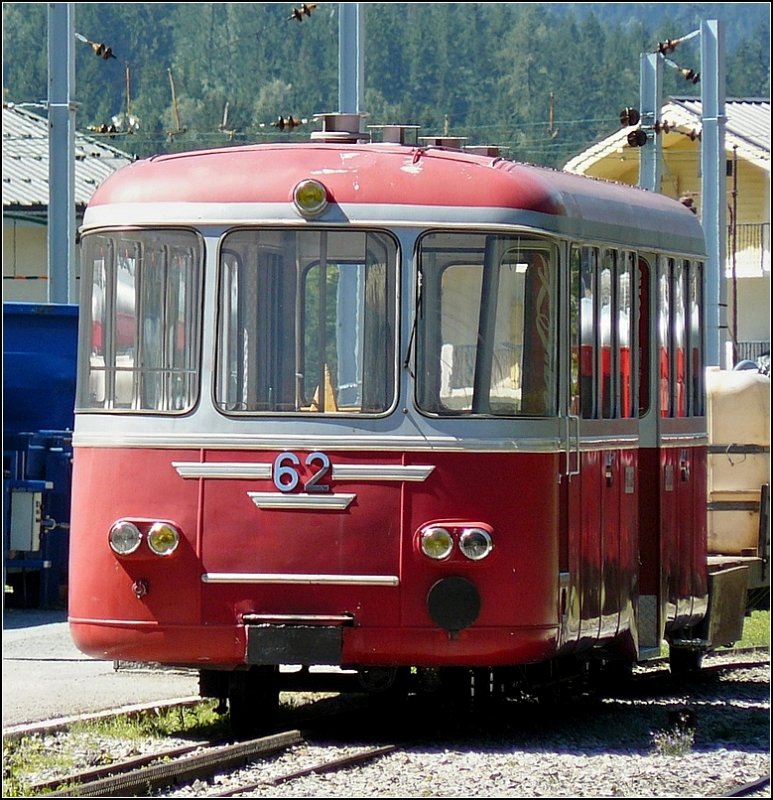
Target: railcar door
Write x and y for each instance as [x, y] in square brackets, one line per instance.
[601, 495]
[681, 441]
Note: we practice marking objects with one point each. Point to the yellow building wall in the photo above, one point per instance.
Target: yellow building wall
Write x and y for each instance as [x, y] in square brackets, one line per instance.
[25, 260]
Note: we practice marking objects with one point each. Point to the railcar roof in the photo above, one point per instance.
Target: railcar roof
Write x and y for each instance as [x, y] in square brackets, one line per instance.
[391, 177]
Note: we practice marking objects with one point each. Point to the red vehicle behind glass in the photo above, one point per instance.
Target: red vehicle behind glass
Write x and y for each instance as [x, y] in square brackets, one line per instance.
[404, 411]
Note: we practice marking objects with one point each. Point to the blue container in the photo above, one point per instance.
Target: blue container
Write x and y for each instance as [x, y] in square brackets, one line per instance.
[40, 343]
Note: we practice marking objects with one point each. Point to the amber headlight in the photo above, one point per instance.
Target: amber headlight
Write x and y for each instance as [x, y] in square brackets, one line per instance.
[310, 197]
[436, 542]
[475, 543]
[124, 537]
[163, 538]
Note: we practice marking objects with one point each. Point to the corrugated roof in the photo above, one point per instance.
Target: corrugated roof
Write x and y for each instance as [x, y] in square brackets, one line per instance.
[747, 128]
[25, 161]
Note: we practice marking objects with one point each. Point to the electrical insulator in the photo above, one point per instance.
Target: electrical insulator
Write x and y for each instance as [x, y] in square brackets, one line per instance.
[668, 46]
[690, 75]
[288, 123]
[637, 138]
[629, 116]
[102, 50]
[304, 10]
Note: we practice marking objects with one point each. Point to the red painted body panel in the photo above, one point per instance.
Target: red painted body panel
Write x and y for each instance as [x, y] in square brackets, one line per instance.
[683, 542]
[224, 645]
[184, 620]
[602, 549]
[371, 175]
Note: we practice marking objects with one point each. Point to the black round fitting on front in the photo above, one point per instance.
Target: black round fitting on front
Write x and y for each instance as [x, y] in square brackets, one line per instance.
[453, 603]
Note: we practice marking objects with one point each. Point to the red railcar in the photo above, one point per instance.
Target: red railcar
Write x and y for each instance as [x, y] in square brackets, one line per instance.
[398, 410]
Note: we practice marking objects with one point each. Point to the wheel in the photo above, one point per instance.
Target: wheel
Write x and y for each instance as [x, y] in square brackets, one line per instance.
[253, 701]
[683, 660]
[616, 674]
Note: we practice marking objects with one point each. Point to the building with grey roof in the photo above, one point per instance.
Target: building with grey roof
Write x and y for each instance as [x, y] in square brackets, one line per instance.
[26, 196]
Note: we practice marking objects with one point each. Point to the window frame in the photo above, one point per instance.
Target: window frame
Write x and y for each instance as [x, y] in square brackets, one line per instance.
[118, 340]
[390, 244]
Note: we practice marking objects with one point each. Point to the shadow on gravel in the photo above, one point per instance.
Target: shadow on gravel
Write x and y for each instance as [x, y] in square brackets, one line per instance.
[724, 712]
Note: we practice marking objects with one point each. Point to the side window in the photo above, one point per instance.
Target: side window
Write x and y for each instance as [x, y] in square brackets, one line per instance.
[680, 338]
[695, 338]
[627, 367]
[583, 331]
[604, 331]
[665, 355]
[607, 293]
[642, 326]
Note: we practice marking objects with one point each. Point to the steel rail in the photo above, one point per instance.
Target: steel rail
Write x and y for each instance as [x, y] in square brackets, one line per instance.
[322, 767]
[182, 770]
[749, 788]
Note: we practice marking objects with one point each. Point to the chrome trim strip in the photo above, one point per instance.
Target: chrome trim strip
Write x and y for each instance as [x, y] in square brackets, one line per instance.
[612, 442]
[369, 442]
[683, 439]
[381, 472]
[223, 215]
[363, 472]
[319, 502]
[281, 577]
[298, 619]
[193, 469]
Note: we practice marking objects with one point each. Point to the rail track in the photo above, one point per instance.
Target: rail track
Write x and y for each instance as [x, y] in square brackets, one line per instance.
[346, 738]
[179, 766]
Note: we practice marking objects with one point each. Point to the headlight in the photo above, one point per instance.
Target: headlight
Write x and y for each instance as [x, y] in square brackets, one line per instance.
[163, 538]
[475, 543]
[310, 197]
[124, 537]
[436, 542]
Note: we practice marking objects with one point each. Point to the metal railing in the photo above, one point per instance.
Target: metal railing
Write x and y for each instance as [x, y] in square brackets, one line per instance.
[751, 237]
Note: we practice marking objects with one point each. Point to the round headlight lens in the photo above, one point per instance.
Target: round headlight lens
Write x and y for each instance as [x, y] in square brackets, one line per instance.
[310, 197]
[436, 542]
[163, 538]
[124, 537]
[475, 543]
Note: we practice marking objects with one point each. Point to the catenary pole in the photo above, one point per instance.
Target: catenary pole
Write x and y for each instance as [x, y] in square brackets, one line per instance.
[61, 149]
[351, 58]
[713, 210]
[650, 92]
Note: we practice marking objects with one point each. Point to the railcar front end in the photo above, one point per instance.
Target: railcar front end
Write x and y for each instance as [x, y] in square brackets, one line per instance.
[312, 508]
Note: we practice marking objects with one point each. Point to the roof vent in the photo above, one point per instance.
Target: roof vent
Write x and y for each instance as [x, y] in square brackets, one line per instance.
[396, 134]
[454, 142]
[338, 127]
[483, 150]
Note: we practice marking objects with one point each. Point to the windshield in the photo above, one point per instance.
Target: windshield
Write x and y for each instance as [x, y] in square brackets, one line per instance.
[307, 322]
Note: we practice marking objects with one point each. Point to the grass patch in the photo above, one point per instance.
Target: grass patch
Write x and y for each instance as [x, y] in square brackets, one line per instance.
[198, 721]
[756, 630]
[29, 759]
[673, 743]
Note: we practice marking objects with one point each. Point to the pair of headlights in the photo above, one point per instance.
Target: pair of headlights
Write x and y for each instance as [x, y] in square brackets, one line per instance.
[125, 537]
[438, 541]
